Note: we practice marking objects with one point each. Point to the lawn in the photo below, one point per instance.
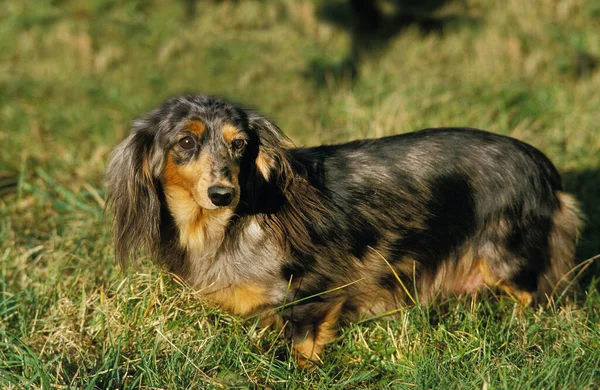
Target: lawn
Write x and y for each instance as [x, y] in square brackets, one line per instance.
[74, 74]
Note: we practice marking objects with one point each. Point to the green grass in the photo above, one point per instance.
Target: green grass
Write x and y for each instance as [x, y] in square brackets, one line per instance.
[74, 74]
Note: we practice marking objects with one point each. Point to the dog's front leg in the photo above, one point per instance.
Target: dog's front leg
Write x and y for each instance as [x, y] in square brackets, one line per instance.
[310, 326]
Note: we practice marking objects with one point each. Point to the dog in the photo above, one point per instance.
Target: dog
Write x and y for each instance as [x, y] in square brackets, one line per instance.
[304, 237]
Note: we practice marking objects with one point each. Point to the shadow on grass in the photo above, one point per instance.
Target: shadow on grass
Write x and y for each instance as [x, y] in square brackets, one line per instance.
[371, 29]
[585, 185]
[193, 7]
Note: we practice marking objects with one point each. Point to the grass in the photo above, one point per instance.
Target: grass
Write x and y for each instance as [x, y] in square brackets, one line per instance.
[74, 74]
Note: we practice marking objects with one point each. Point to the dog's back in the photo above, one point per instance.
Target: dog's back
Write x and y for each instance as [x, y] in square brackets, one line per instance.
[440, 211]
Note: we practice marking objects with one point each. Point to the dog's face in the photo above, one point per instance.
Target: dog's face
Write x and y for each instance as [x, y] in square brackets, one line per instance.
[204, 163]
[196, 154]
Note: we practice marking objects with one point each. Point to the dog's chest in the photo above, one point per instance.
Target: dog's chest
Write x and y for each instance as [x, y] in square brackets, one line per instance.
[240, 274]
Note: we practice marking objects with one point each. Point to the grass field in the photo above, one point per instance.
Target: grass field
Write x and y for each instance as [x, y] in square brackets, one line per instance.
[74, 74]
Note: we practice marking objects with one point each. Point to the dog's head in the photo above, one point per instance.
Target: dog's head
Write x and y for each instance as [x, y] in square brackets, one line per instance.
[191, 157]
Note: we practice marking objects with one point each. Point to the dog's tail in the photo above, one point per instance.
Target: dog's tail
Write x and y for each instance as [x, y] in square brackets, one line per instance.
[567, 223]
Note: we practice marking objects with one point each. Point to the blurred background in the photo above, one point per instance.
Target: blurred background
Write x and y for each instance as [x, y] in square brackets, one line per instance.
[74, 74]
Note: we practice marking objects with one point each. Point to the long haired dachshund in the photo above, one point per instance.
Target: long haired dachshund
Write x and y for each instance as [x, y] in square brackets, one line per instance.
[306, 236]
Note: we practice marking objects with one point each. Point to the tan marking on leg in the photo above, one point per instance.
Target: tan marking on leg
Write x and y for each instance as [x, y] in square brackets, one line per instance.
[241, 299]
[271, 320]
[525, 298]
[308, 350]
[488, 278]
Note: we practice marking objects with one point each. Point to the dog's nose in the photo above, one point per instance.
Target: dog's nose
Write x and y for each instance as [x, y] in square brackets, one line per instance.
[221, 196]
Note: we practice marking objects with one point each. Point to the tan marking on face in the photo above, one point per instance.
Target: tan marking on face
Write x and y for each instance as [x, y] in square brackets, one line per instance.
[200, 222]
[194, 177]
[307, 351]
[173, 176]
[230, 133]
[241, 299]
[196, 127]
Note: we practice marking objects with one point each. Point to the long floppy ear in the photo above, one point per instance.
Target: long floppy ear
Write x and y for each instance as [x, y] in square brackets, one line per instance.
[271, 161]
[132, 193]
[302, 206]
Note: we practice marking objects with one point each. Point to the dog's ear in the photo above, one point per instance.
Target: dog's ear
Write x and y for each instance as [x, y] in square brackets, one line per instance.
[271, 161]
[301, 204]
[132, 193]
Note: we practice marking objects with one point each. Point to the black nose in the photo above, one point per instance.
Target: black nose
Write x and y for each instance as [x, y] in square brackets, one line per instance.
[221, 196]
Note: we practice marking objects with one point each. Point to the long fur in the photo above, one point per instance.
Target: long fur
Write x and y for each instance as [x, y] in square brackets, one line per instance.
[336, 231]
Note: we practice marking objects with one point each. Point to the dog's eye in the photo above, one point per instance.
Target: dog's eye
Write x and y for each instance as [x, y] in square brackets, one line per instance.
[187, 143]
[238, 144]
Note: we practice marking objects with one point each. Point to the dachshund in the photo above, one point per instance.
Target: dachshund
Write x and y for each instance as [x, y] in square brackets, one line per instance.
[304, 237]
